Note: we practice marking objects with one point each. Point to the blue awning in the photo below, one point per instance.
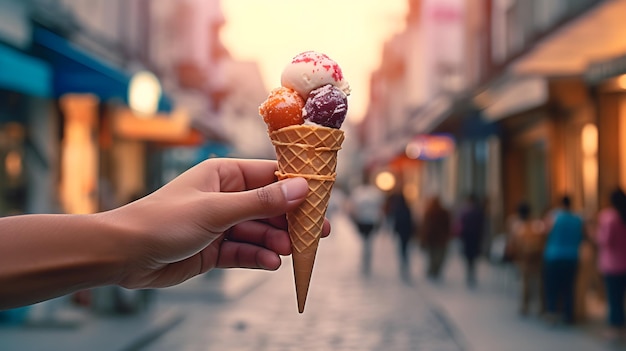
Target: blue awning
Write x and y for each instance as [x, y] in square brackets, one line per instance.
[24, 74]
[77, 71]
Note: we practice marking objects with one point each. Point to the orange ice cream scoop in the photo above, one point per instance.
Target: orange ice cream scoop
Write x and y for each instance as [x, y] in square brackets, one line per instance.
[282, 108]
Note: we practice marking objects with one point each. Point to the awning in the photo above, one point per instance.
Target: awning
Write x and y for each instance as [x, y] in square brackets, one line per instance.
[24, 74]
[597, 35]
[513, 95]
[603, 70]
[430, 116]
[77, 71]
[162, 128]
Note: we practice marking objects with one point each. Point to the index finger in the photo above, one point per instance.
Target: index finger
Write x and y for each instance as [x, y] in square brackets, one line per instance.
[240, 174]
[224, 175]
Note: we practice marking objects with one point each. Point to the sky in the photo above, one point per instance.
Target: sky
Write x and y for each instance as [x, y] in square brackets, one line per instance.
[352, 33]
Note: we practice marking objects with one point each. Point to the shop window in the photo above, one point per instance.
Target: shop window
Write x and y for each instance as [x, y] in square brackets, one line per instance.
[79, 155]
[622, 138]
[12, 184]
[589, 148]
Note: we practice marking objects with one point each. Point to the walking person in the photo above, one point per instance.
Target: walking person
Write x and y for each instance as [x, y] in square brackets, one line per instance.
[528, 240]
[611, 240]
[403, 227]
[366, 211]
[560, 261]
[435, 236]
[471, 226]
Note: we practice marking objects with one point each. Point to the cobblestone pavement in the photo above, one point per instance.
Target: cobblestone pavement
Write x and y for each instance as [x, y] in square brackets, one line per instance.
[256, 310]
[344, 311]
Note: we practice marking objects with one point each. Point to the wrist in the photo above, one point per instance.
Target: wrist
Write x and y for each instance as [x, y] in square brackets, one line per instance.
[45, 256]
[116, 245]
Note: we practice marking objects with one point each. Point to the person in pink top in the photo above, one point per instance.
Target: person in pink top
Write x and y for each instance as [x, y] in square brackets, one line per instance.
[611, 238]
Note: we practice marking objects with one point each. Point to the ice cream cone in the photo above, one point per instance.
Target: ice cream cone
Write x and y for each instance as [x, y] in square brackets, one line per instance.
[310, 135]
[309, 152]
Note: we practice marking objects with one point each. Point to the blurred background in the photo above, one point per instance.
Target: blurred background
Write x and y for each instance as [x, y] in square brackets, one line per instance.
[104, 101]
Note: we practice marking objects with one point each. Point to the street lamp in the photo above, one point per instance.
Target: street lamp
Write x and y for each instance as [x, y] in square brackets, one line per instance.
[589, 148]
[385, 181]
[144, 92]
[621, 81]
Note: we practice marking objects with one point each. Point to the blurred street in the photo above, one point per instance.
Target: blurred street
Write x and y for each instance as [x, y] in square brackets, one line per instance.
[487, 122]
[249, 310]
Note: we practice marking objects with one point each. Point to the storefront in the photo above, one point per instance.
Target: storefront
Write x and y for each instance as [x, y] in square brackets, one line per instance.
[565, 57]
[27, 131]
[104, 139]
[544, 123]
[579, 131]
[104, 158]
[608, 82]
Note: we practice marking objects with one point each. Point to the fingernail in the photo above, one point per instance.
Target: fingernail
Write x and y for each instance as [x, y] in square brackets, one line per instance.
[294, 188]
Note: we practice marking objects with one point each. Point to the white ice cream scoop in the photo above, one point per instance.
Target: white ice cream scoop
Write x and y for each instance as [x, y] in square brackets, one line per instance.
[310, 70]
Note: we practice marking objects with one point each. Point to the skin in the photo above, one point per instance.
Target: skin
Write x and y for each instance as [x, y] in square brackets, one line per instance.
[222, 213]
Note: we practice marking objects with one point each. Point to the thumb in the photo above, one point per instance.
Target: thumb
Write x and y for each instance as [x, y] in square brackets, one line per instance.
[265, 202]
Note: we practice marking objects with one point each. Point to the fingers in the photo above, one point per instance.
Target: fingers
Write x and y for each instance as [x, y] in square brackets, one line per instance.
[256, 173]
[261, 234]
[243, 255]
[260, 250]
[224, 174]
[240, 175]
[264, 202]
[281, 223]
[326, 228]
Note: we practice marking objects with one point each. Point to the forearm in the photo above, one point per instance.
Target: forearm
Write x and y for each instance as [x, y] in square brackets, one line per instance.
[45, 256]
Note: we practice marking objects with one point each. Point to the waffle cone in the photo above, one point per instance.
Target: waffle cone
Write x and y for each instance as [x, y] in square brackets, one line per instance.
[309, 152]
[310, 135]
[305, 149]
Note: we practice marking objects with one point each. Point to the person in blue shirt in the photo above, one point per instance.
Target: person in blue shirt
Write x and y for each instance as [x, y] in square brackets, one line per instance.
[561, 261]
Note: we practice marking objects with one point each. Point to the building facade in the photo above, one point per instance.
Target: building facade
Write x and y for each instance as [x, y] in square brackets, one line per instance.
[71, 138]
[539, 112]
[56, 51]
[410, 93]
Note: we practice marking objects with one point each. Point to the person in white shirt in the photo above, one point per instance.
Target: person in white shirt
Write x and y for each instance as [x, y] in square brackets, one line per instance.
[366, 210]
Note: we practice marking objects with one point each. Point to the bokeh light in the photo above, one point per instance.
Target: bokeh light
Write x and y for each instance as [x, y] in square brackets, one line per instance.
[385, 181]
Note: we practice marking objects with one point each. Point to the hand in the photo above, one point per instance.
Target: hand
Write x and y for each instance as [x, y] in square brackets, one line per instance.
[222, 213]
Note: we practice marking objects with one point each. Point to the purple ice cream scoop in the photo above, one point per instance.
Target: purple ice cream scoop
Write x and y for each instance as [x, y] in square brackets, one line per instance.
[326, 106]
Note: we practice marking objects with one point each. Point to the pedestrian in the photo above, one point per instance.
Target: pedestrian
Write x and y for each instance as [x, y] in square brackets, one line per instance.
[611, 240]
[366, 210]
[471, 224]
[222, 213]
[435, 235]
[403, 227]
[528, 240]
[560, 261]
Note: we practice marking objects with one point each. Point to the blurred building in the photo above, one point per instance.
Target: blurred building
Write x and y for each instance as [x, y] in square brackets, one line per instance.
[68, 66]
[102, 101]
[240, 111]
[25, 90]
[420, 73]
[534, 100]
[535, 104]
[540, 101]
[72, 141]
[220, 94]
